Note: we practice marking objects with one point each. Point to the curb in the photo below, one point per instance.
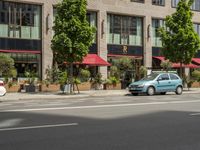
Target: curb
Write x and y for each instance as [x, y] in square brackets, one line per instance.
[51, 96]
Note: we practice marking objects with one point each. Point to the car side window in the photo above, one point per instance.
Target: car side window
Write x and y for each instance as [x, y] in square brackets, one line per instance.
[164, 77]
[173, 77]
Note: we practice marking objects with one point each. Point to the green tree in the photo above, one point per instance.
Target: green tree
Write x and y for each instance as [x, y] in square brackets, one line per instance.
[7, 68]
[123, 65]
[166, 65]
[180, 41]
[73, 34]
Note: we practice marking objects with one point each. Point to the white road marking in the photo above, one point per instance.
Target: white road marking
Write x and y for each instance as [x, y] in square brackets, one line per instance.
[39, 127]
[195, 114]
[10, 122]
[101, 106]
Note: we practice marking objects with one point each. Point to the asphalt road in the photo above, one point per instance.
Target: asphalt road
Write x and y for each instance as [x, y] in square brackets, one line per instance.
[158, 122]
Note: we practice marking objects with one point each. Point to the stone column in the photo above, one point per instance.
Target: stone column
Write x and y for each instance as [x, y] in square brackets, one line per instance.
[102, 44]
[47, 23]
[147, 43]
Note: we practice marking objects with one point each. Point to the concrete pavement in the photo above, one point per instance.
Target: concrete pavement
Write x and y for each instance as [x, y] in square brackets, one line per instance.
[59, 95]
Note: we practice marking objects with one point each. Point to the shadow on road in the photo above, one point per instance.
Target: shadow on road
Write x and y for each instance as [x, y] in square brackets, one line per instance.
[166, 130]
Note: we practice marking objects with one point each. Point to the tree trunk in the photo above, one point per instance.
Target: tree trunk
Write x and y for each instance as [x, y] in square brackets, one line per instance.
[181, 69]
[71, 78]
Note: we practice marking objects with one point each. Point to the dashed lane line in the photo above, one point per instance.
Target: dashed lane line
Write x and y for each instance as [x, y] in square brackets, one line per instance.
[39, 127]
[101, 106]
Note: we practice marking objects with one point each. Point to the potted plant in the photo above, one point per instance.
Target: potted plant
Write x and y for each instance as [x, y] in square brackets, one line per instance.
[63, 81]
[51, 82]
[112, 83]
[30, 82]
[97, 82]
[84, 77]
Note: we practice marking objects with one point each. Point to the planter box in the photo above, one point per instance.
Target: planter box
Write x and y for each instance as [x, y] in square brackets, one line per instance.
[195, 85]
[83, 86]
[50, 88]
[13, 88]
[112, 87]
[30, 88]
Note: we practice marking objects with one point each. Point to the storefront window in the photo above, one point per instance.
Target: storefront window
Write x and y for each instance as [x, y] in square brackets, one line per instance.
[20, 20]
[156, 24]
[124, 30]
[26, 62]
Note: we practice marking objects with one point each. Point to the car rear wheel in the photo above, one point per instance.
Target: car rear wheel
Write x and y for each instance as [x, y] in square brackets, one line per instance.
[179, 90]
[150, 91]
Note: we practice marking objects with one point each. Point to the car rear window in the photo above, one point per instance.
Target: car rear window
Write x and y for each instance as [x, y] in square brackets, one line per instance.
[173, 77]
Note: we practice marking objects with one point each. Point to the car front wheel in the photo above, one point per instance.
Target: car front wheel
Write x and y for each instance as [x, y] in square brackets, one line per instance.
[150, 91]
[135, 94]
[179, 90]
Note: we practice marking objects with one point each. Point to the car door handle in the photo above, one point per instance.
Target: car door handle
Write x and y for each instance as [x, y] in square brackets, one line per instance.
[169, 82]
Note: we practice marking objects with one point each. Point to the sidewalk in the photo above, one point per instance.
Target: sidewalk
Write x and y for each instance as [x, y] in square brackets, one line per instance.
[59, 95]
[54, 96]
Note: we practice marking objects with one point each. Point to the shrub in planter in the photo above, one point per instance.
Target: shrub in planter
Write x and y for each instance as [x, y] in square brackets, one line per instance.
[63, 80]
[84, 75]
[30, 83]
[97, 82]
[112, 82]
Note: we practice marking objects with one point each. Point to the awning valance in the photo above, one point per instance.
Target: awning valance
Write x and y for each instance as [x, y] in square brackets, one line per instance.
[196, 60]
[130, 56]
[177, 65]
[94, 60]
[21, 51]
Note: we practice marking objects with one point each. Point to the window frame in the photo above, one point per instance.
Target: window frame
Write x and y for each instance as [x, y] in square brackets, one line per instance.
[137, 1]
[158, 4]
[190, 8]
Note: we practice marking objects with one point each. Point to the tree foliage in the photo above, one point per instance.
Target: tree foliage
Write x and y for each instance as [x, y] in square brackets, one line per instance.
[124, 64]
[180, 41]
[7, 68]
[73, 34]
[166, 65]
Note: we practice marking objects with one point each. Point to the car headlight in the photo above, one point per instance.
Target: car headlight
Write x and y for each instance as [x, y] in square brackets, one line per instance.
[141, 85]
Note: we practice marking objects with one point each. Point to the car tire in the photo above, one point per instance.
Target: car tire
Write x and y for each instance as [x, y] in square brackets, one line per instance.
[135, 94]
[179, 90]
[150, 91]
[163, 93]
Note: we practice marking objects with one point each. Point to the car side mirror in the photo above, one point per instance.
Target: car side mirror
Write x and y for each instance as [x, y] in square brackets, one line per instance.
[159, 79]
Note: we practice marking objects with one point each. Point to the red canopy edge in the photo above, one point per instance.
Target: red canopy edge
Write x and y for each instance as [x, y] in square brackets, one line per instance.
[196, 60]
[94, 60]
[177, 65]
[21, 51]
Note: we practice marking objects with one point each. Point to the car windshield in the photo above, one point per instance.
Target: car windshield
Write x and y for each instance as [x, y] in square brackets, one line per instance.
[150, 77]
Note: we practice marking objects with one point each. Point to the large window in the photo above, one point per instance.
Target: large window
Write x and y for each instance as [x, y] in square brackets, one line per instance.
[124, 30]
[197, 28]
[92, 19]
[158, 2]
[195, 5]
[20, 20]
[156, 24]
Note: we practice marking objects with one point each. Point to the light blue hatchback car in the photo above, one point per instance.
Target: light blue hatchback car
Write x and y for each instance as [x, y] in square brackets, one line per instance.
[157, 83]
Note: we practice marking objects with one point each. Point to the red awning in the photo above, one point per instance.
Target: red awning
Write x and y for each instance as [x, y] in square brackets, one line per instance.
[177, 65]
[159, 58]
[196, 60]
[94, 60]
[21, 51]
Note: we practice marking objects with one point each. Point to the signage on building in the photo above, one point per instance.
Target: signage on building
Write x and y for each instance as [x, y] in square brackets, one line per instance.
[125, 49]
